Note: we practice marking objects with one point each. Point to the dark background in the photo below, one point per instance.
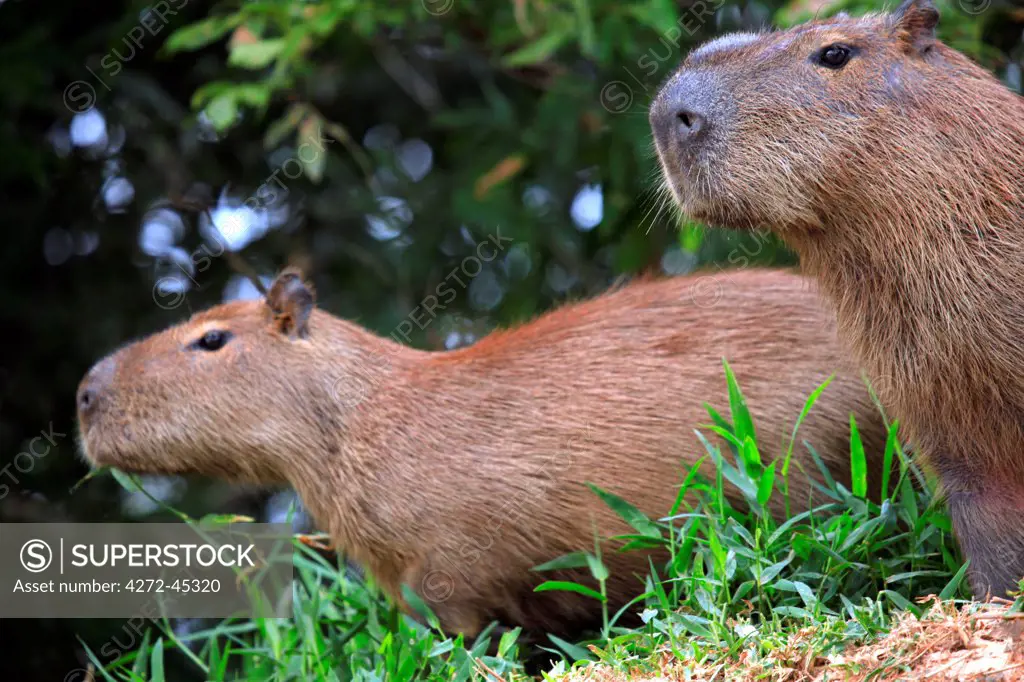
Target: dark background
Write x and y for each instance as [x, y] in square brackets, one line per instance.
[451, 120]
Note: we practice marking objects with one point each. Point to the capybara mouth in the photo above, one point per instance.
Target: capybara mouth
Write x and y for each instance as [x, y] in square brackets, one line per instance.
[95, 445]
[694, 184]
[691, 197]
[699, 205]
[702, 198]
[91, 451]
[100, 458]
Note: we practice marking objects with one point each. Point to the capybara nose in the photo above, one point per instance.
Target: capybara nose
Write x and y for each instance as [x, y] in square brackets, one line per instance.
[680, 114]
[679, 127]
[95, 384]
[86, 398]
[690, 123]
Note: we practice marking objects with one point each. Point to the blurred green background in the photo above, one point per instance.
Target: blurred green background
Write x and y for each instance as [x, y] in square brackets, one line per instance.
[156, 152]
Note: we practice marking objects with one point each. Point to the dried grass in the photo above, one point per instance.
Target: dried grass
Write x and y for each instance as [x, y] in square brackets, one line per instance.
[949, 644]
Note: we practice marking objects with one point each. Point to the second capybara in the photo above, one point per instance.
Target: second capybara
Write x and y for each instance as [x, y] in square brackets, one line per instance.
[456, 472]
[894, 166]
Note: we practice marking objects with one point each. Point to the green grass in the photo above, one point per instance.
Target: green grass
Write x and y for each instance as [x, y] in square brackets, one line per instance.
[737, 582]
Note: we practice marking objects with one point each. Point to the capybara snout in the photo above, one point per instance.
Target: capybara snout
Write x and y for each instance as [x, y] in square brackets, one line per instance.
[94, 387]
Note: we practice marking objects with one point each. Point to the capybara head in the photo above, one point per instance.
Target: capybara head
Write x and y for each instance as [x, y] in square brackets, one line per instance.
[227, 393]
[788, 129]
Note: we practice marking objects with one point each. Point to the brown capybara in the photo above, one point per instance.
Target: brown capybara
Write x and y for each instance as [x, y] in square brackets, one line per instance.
[456, 472]
[894, 166]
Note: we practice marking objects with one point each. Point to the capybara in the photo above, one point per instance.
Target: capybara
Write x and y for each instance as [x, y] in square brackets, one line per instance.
[894, 167]
[456, 472]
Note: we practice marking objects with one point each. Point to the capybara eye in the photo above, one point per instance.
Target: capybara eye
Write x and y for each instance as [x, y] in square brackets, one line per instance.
[834, 56]
[211, 340]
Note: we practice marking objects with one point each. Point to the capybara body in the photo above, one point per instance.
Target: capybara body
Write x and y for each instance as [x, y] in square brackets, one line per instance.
[894, 166]
[457, 472]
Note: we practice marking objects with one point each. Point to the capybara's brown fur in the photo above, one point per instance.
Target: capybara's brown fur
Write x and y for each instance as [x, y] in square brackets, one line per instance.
[456, 472]
[894, 166]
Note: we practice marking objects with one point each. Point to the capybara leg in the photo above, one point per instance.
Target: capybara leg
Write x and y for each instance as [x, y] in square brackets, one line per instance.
[989, 525]
[453, 600]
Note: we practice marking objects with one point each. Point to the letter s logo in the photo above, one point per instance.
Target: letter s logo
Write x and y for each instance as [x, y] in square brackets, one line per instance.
[36, 556]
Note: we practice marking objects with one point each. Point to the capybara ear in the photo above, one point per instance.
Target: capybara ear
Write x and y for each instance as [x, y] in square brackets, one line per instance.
[291, 300]
[915, 22]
